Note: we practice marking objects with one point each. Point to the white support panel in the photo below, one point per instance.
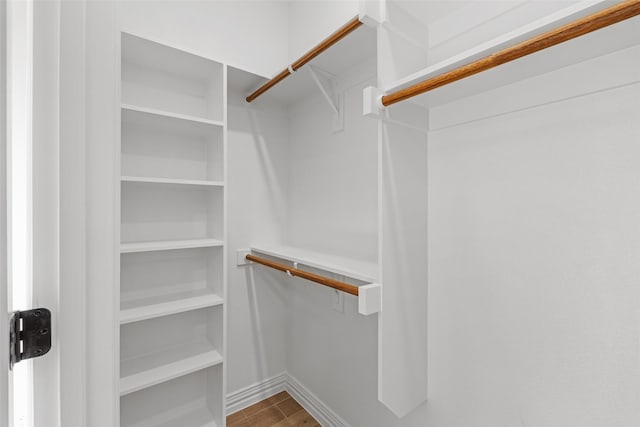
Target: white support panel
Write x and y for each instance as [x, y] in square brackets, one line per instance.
[402, 322]
[369, 299]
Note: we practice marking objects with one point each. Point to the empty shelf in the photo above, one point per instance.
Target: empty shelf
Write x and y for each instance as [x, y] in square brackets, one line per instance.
[200, 417]
[150, 180]
[152, 369]
[163, 113]
[355, 269]
[147, 308]
[164, 245]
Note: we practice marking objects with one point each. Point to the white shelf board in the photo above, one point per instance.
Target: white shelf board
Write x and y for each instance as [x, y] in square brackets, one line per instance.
[191, 417]
[150, 307]
[356, 269]
[610, 39]
[154, 111]
[176, 181]
[164, 245]
[200, 417]
[146, 371]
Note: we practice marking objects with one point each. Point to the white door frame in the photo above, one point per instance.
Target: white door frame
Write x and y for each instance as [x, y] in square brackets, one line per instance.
[102, 215]
[45, 203]
[59, 206]
[75, 189]
[4, 324]
[72, 331]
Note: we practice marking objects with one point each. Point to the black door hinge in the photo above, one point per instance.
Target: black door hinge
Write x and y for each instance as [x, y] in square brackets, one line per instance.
[29, 335]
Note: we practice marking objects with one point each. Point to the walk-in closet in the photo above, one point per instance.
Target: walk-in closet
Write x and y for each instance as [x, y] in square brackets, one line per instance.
[336, 213]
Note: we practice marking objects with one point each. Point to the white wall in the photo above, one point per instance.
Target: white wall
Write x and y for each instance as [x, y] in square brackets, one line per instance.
[257, 179]
[248, 34]
[533, 243]
[333, 178]
[333, 197]
[311, 21]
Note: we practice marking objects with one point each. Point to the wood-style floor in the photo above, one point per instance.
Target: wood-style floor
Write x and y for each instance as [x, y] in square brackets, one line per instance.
[279, 410]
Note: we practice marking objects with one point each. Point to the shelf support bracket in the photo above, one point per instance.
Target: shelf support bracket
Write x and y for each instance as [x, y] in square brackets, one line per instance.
[326, 83]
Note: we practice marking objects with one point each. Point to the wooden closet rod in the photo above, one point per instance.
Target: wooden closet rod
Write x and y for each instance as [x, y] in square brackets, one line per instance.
[335, 284]
[317, 50]
[612, 15]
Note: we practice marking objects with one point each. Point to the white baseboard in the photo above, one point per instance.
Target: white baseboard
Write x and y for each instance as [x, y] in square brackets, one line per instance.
[247, 396]
[310, 402]
[313, 405]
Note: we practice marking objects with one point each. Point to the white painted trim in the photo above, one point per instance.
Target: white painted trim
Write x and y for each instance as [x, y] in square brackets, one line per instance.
[45, 203]
[225, 237]
[103, 214]
[4, 327]
[254, 393]
[73, 259]
[313, 405]
[257, 392]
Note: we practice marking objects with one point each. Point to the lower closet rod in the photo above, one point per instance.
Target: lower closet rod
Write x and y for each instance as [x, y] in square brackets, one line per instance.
[335, 284]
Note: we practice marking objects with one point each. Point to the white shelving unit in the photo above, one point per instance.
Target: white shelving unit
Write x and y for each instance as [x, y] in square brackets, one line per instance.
[172, 233]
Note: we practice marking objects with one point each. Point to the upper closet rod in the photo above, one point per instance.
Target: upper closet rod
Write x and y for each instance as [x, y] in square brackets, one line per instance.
[321, 47]
[604, 18]
[335, 284]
